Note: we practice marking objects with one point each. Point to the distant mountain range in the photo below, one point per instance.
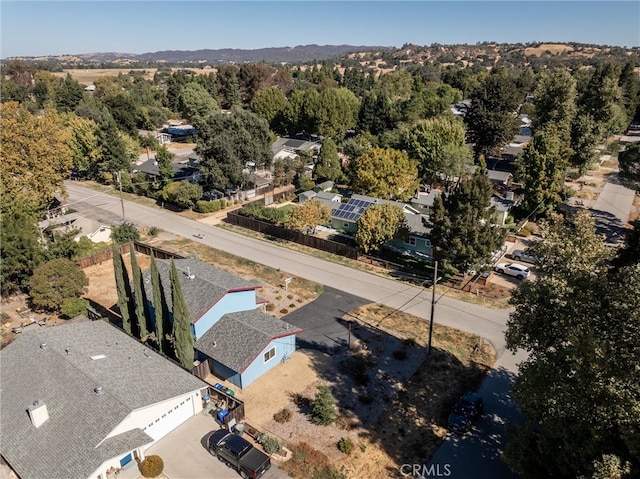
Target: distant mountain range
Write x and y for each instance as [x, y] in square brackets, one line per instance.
[298, 54]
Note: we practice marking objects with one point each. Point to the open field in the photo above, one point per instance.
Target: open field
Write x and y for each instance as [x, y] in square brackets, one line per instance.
[88, 76]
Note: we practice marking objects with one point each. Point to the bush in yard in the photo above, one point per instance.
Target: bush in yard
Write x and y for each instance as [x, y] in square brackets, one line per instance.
[72, 307]
[270, 306]
[323, 411]
[204, 206]
[283, 415]
[346, 445]
[152, 466]
[270, 444]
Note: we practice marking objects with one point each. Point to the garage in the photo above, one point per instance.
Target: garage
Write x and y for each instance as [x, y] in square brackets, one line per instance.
[170, 418]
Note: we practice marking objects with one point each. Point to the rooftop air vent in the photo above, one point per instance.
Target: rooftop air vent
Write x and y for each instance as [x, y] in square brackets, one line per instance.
[43, 345]
[98, 356]
[97, 390]
[189, 275]
[38, 413]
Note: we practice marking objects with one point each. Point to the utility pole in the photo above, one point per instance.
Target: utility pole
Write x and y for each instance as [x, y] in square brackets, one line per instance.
[433, 303]
[121, 199]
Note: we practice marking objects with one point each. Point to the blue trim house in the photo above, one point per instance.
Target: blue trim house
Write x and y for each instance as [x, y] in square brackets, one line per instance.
[223, 311]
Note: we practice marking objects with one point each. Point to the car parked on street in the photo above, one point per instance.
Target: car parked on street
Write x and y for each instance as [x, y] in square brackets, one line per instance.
[522, 255]
[466, 411]
[513, 269]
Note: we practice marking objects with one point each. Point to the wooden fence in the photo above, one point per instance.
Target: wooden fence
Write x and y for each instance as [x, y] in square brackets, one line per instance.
[292, 235]
[107, 255]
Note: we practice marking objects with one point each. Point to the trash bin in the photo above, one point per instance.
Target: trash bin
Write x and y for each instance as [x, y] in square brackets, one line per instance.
[222, 415]
[239, 429]
[230, 392]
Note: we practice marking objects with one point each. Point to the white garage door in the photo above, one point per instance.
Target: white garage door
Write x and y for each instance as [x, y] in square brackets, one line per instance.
[171, 419]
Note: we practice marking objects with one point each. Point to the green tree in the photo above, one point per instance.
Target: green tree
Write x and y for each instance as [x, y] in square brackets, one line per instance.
[183, 193]
[196, 103]
[301, 112]
[308, 216]
[541, 171]
[555, 97]
[585, 136]
[462, 234]
[125, 233]
[69, 94]
[323, 411]
[579, 386]
[629, 161]
[270, 103]
[123, 288]
[336, 112]
[112, 155]
[164, 158]
[181, 321]
[438, 144]
[21, 252]
[35, 157]
[65, 246]
[380, 224]
[227, 141]
[328, 166]
[142, 314]
[56, 281]
[491, 118]
[629, 83]
[82, 141]
[160, 311]
[386, 174]
[602, 99]
[72, 307]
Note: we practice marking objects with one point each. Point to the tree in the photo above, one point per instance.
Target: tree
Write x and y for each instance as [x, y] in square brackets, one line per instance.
[125, 233]
[164, 158]
[602, 99]
[462, 234]
[65, 246]
[301, 112]
[269, 103]
[336, 112]
[142, 314]
[386, 174]
[56, 281]
[380, 224]
[226, 142]
[629, 161]
[69, 94]
[541, 171]
[438, 144]
[124, 289]
[307, 216]
[82, 141]
[555, 98]
[35, 157]
[196, 103]
[183, 193]
[585, 135]
[160, 311]
[629, 83]
[491, 118]
[323, 411]
[112, 156]
[21, 252]
[181, 321]
[579, 386]
[328, 166]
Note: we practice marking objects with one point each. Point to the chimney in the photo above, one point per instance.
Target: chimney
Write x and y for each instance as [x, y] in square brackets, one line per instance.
[38, 413]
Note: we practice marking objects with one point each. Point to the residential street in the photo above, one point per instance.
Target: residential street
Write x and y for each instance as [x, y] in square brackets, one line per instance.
[479, 452]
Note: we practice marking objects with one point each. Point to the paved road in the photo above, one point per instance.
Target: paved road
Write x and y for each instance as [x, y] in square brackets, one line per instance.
[612, 209]
[466, 456]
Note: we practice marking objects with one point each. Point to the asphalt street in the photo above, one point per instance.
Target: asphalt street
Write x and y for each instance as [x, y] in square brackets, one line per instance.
[476, 455]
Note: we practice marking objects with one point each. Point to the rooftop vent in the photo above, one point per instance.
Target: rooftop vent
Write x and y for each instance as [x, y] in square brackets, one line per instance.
[38, 413]
[97, 389]
[98, 356]
[43, 345]
[189, 275]
[67, 350]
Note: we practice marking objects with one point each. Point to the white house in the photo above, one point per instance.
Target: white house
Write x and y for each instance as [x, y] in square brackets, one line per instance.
[81, 399]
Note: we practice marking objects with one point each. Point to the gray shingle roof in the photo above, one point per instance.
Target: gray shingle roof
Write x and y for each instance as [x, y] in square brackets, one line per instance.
[66, 445]
[237, 338]
[200, 293]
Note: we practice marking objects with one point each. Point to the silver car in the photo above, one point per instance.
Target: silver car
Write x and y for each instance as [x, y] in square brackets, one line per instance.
[522, 255]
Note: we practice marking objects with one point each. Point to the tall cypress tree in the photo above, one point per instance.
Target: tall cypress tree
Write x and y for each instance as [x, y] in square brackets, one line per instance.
[181, 322]
[140, 296]
[163, 326]
[123, 287]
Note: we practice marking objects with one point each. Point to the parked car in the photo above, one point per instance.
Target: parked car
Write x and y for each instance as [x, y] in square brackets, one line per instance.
[238, 453]
[513, 269]
[198, 235]
[521, 255]
[466, 411]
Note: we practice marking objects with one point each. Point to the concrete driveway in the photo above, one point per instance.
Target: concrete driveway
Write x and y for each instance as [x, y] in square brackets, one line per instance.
[321, 320]
[185, 453]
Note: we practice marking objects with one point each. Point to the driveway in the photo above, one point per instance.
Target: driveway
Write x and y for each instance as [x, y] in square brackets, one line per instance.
[185, 454]
[321, 320]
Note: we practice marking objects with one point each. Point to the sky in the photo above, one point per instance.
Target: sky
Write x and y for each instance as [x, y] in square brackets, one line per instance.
[57, 28]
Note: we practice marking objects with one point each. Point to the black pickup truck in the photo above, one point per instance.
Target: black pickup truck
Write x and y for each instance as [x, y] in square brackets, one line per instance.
[238, 453]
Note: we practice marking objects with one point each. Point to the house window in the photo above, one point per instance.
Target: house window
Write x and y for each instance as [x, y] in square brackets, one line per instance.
[411, 241]
[346, 225]
[269, 355]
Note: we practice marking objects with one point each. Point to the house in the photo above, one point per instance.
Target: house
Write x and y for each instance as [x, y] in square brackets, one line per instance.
[244, 345]
[423, 201]
[500, 177]
[347, 214]
[222, 305]
[81, 399]
[332, 200]
[324, 186]
[162, 138]
[502, 207]
[306, 195]
[92, 229]
[418, 242]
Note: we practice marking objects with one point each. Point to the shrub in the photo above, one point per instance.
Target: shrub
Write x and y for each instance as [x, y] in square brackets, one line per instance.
[270, 306]
[292, 305]
[125, 233]
[284, 311]
[346, 445]
[282, 416]
[289, 296]
[410, 342]
[400, 354]
[356, 367]
[204, 206]
[152, 466]
[72, 307]
[524, 233]
[153, 231]
[270, 444]
[323, 411]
